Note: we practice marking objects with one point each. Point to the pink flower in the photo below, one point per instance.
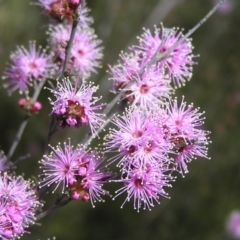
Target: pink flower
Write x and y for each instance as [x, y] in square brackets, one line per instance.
[77, 171]
[145, 185]
[137, 140]
[148, 89]
[74, 105]
[18, 205]
[181, 127]
[64, 9]
[85, 53]
[233, 224]
[27, 67]
[179, 64]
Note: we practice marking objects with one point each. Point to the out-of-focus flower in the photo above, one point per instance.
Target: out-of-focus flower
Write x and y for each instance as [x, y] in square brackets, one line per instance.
[18, 205]
[74, 104]
[27, 67]
[77, 171]
[226, 7]
[65, 9]
[233, 224]
[86, 51]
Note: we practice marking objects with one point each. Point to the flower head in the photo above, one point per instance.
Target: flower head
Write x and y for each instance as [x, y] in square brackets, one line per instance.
[85, 53]
[181, 127]
[18, 205]
[179, 62]
[145, 185]
[28, 66]
[74, 105]
[137, 139]
[77, 171]
[148, 89]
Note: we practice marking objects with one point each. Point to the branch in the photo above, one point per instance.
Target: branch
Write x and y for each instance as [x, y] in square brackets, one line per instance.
[154, 59]
[24, 122]
[75, 22]
[59, 203]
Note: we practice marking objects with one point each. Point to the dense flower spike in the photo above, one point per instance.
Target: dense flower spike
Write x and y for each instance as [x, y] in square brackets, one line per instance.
[18, 205]
[86, 51]
[27, 67]
[74, 104]
[77, 171]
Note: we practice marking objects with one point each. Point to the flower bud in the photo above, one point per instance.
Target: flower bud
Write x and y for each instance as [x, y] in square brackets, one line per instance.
[36, 107]
[73, 4]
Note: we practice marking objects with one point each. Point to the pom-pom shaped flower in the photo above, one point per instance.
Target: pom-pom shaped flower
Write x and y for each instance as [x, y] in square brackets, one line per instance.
[65, 9]
[178, 64]
[18, 205]
[148, 89]
[137, 139]
[85, 52]
[144, 183]
[77, 171]
[180, 126]
[28, 66]
[74, 105]
[123, 72]
[233, 224]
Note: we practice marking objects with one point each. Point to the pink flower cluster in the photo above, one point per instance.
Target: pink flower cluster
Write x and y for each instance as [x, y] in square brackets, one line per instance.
[145, 85]
[157, 136]
[18, 205]
[151, 145]
[74, 105]
[77, 170]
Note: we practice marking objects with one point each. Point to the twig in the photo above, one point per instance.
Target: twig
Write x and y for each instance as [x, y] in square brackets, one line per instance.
[154, 59]
[76, 19]
[51, 131]
[24, 122]
[75, 22]
[57, 205]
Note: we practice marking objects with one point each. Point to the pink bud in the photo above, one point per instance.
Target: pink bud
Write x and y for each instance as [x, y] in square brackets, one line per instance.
[36, 107]
[22, 102]
[75, 195]
[73, 4]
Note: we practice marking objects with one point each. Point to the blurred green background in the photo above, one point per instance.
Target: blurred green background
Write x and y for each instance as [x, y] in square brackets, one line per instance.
[200, 202]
